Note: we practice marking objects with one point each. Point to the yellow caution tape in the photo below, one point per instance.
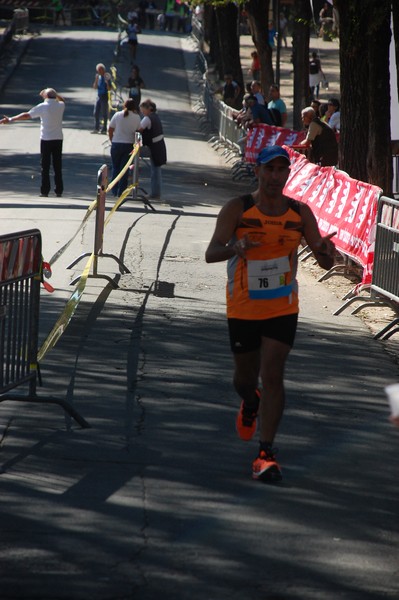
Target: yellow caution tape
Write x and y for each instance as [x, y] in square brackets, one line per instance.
[65, 318]
[67, 314]
[61, 251]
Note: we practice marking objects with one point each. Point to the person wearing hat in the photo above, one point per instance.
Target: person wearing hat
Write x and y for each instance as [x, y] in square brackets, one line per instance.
[50, 112]
[258, 234]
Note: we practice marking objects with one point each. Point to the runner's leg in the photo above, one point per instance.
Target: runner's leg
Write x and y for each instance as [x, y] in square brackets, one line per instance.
[273, 358]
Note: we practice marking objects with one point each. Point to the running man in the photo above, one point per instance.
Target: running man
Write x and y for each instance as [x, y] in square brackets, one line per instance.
[259, 234]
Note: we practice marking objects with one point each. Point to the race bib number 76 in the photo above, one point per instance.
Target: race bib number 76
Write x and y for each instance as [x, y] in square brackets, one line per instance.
[266, 278]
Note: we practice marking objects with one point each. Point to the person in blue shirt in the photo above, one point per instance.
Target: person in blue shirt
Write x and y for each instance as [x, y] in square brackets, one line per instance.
[277, 103]
[260, 113]
[271, 35]
[102, 83]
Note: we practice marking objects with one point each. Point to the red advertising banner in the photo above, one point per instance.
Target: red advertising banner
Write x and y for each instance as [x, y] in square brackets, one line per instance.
[340, 204]
[268, 135]
[20, 257]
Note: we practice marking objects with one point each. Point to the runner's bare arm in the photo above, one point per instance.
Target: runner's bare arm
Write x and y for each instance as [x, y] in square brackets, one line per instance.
[226, 225]
[322, 247]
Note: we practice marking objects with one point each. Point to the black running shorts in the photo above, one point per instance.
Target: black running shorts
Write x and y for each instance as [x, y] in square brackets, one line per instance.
[246, 336]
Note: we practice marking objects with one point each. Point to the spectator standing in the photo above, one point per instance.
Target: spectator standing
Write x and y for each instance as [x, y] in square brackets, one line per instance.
[132, 30]
[324, 18]
[254, 69]
[315, 75]
[50, 112]
[334, 114]
[135, 84]
[283, 25]
[121, 130]
[59, 13]
[152, 133]
[161, 20]
[170, 13]
[258, 234]
[102, 83]
[276, 103]
[320, 138]
[272, 35]
[182, 10]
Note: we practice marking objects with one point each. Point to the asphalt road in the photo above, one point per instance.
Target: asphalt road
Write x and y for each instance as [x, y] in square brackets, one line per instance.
[155, 500]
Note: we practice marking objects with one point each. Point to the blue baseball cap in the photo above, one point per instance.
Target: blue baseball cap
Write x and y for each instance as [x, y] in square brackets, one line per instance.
[270, 153]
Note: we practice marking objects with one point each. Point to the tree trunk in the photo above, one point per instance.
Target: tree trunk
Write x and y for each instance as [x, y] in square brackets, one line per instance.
[354, 98]
[210, 33]
[300, 57]
[258, 19]
[365, 144]
[395, 18]
[229, 43]
[379, 157]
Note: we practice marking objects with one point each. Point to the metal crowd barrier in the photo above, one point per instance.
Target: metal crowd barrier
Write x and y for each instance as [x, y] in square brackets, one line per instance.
[385, 281]
[197, 32]
[384, 288]
[20, 274]
[221, 119]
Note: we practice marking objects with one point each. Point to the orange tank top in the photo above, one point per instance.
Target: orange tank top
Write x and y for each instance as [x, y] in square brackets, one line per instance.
[264, 285]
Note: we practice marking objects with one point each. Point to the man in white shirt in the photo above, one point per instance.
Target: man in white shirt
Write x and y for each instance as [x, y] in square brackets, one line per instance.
[50, 112]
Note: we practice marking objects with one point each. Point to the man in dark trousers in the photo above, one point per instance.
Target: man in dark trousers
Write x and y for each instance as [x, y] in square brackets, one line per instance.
[50, 112]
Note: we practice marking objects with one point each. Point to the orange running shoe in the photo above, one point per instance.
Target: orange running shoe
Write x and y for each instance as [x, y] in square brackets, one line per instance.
[246, 420]
[265, 467]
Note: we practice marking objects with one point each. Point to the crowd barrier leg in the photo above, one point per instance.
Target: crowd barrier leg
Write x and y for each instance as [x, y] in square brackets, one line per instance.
[20, 274]
[102, 181]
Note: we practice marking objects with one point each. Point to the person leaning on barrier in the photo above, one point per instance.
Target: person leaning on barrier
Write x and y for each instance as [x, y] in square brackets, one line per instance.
[260, 113]
[320, 139]
[258, 234]
[50, 112]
